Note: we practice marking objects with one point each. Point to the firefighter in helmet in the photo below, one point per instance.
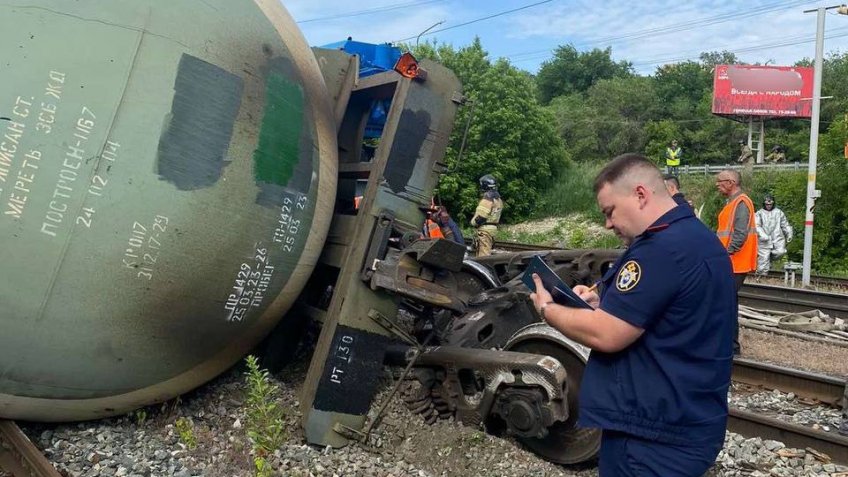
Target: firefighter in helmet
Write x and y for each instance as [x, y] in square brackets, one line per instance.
[487, 216]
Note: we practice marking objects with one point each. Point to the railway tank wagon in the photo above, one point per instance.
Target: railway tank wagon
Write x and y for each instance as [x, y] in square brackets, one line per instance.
[167, 177]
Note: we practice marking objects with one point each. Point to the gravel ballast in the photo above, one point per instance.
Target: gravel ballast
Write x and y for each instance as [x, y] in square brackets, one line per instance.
[149, 444]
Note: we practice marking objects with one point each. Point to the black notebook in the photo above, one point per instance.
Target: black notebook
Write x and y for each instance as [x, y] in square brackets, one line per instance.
[561, 293]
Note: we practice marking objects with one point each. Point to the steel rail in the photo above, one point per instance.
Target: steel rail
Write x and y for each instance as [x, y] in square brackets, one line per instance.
[775, 274]
[19, 456]
[793, 299]
[517, 247]
[816, 279]
[756, 425]
[820, 387]
[826, 389]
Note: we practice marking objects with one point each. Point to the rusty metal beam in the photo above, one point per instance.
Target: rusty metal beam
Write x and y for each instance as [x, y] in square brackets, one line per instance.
[19, 456]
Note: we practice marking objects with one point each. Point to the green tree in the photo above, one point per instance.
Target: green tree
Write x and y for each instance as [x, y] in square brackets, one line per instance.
[660, 134]
[511, 136]
[607, 120]
[623, 105]
[712, 58]
[576, 122]
[830, 238]
[834, 84]
[571, 71]
[681, 86]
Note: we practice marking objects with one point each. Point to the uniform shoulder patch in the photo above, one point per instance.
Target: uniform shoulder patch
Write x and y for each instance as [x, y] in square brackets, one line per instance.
[628, 276]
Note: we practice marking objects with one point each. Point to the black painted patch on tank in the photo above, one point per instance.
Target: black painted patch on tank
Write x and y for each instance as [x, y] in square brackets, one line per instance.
[413, 128]
[197, 132]
[351, 372]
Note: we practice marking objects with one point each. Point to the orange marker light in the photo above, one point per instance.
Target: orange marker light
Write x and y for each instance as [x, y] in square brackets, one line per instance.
[407, 65]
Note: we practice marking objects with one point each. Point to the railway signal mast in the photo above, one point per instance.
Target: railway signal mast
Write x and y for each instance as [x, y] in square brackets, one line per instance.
[812, 193]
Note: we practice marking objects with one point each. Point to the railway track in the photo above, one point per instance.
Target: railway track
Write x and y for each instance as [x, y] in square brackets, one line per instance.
[823, 388]
[826, 389]
[834, 282]
[19, 457]
[769, 297]
[517, 247]
[772, 297]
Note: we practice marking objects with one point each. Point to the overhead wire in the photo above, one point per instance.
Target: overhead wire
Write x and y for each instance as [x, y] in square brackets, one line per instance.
[658, 31]
[783, 44]
[698, 23]
[638, 34]
[505, 12]
[769, 42]
[371, 11]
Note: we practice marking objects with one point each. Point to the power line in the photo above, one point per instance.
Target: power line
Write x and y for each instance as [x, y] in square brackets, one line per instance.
[741, 50]
[703, 22]
[639, 121]
[769, 42]
[371, 11]
[478, 20]
[656, 120]
[678, 27]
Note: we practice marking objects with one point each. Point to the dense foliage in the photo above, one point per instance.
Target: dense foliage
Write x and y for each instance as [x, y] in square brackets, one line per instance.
[571, 71]
[510, 135]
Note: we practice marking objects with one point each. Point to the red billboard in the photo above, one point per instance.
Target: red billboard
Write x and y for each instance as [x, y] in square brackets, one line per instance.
[779, 91]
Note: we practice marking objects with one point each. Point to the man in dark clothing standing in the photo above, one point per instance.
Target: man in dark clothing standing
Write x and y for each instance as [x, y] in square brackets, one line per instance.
[672, 184]
[661, 332]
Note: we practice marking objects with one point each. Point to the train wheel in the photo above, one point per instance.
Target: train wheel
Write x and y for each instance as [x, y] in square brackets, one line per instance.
[565, 443]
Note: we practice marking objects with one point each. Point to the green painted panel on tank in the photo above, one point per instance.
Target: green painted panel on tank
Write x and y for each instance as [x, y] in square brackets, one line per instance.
[277, 143]
[121, 269]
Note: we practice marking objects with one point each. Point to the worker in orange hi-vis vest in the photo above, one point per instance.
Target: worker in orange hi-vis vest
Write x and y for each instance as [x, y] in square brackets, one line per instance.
[432, 229]
[737, 231]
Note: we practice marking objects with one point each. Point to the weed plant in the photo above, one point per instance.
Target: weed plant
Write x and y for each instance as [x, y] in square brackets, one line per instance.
[186, 432]
[265, 418]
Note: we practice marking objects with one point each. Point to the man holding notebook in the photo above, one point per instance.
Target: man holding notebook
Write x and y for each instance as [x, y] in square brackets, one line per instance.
[661, 331]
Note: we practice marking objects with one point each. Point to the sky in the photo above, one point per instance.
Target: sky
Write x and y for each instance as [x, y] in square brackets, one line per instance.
[648, 33]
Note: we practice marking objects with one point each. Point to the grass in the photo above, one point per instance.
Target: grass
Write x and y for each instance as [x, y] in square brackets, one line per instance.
[573, 231]
[568, 214]
[571, 192]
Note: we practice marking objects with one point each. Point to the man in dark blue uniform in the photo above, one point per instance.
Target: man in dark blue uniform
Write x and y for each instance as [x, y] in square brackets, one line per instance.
[672, 184]
[661, 332]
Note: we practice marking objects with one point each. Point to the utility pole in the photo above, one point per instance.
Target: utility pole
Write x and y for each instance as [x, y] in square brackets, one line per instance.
[812, 192]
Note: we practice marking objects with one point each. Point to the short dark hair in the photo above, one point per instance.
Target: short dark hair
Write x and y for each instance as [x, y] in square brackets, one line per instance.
[619, 167]
[673, 179]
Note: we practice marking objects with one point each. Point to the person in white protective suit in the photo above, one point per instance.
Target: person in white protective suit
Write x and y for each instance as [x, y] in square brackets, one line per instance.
[773, 232]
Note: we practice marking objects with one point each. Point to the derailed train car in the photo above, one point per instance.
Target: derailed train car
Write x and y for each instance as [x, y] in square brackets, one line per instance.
[175, 177]
[167, 175]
